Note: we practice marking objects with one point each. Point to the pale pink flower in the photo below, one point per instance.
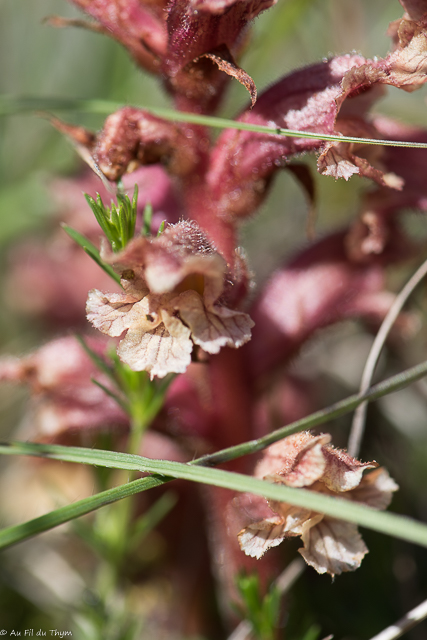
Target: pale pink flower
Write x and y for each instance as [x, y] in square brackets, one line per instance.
[65, 401]
[171, 301]
[304, 460]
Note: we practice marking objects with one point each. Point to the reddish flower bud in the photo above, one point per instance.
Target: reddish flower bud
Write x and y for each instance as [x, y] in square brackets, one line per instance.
[139, 26]
[192, 44]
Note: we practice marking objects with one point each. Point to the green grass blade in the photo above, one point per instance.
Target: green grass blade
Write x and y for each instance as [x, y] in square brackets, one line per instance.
[383, 522]
[91, 250]
[18, 533]
[12, 106]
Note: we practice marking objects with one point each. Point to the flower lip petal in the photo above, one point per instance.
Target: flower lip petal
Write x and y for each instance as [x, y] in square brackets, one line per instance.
[157, 351]
[333, 546]
[214, 327]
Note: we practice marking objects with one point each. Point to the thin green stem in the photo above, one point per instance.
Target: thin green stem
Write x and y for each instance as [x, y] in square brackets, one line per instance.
[358, 426]
[392, 384]
[12, 106]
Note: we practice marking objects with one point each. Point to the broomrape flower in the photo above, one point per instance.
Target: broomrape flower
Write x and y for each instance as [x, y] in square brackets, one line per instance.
[174, 293]
[303, 460]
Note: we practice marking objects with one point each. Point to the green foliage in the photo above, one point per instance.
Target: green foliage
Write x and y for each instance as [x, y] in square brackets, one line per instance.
[146, 219]
[118, 221]
[161, 228]
[99, 620]
[261, 611]
[140, 397]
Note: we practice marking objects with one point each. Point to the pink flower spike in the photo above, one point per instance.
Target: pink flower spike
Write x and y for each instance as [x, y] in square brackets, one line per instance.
[172, 285]
[317, 288]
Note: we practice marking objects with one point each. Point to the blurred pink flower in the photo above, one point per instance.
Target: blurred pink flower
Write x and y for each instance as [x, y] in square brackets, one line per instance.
[66, 402]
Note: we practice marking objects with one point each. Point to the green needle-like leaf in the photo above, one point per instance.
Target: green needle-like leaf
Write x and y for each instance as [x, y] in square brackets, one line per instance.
[96, 359]
[91, 250]
[146, 219]
[122, 403]
[161, 228]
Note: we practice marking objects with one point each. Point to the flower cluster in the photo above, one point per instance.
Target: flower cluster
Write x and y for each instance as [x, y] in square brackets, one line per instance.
[171, 301]
[305, 460]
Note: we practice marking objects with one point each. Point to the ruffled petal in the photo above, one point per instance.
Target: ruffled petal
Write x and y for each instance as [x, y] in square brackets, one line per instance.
[375, 489]
[257, 538]
[297, 460]
[343, 472]
[115, 312]
[109, 312]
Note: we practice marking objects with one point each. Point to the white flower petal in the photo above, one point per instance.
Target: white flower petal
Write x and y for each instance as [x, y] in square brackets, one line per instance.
[375, 489]
[212, 329]
[156, 351]
[257, 538]
[108, 312]
[333, 546]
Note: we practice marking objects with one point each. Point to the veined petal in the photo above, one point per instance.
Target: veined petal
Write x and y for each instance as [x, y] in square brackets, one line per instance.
[157, 352]
[343, 472]
[257, 538]
[109, 312]
[333, 546]
[215, 328]
[171, 284]
[296, 519]
[115, 312]
[297, 460]
[309, 468]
